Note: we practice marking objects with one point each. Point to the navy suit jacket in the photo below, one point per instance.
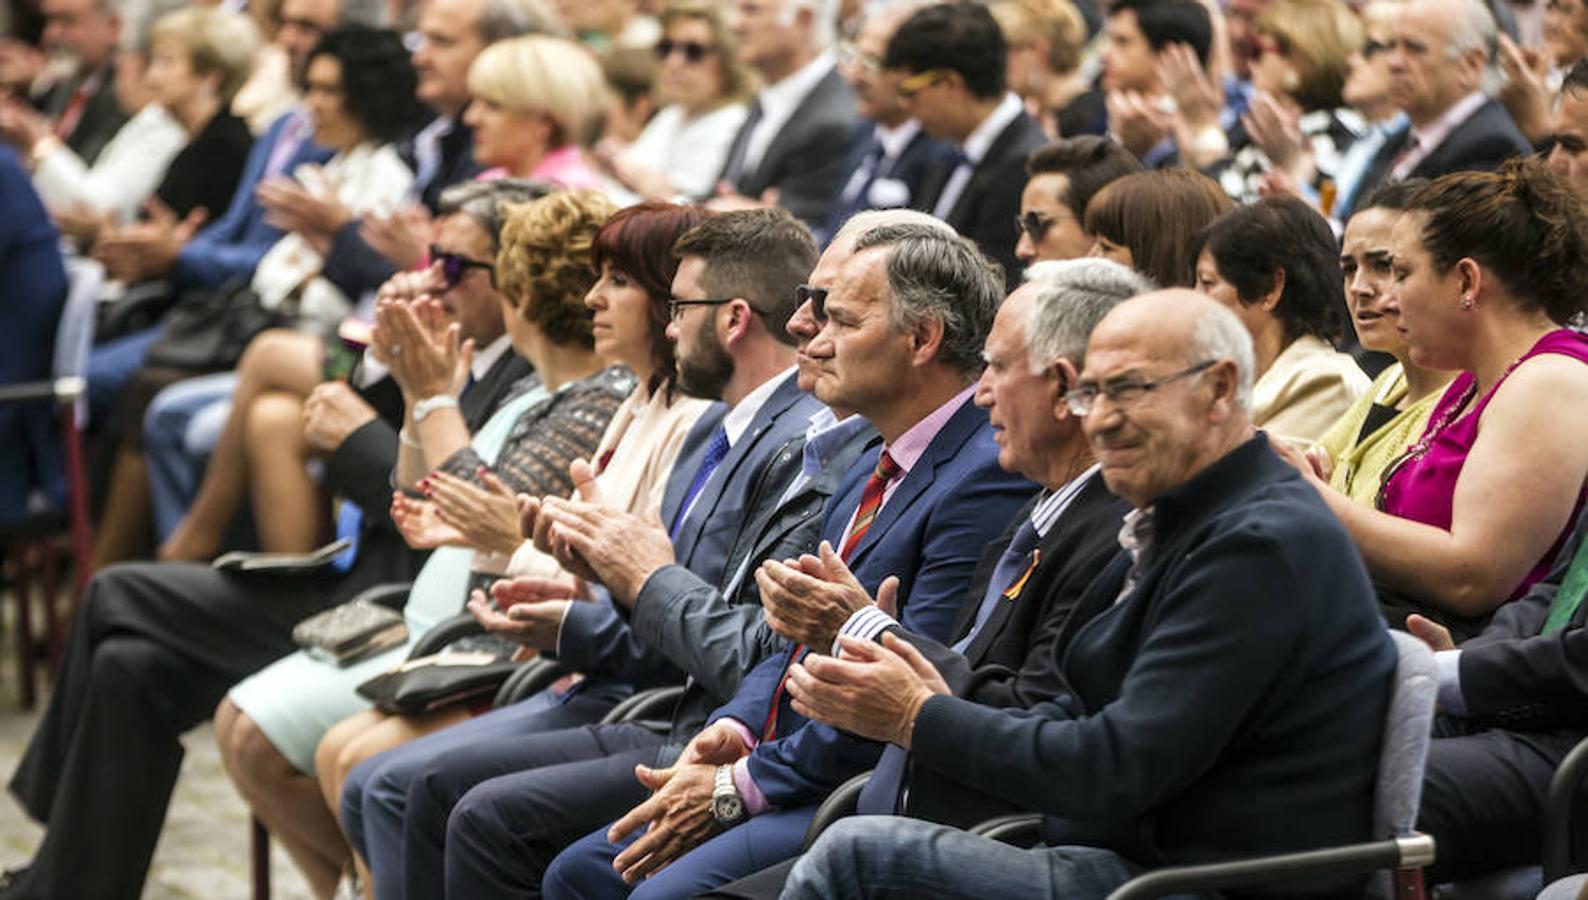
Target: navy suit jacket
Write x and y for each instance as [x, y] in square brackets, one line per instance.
[233, 244]
[929, 533]
[597, 638]
[35, 293]
[986, 209]
[920, 159]
[1516, 677]
[1230, 704]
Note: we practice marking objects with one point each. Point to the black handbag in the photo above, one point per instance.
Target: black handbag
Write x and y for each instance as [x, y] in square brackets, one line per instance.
[437, 681]
[208, 332]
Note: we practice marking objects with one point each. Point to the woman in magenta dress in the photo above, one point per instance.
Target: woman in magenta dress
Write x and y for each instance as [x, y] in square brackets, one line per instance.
[1489, 268]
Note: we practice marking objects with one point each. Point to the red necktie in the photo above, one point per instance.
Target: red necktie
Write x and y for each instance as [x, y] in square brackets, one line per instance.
[73, 113]
[865, 514]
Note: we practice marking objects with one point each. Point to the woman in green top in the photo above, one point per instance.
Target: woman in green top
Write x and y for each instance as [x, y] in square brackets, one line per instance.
[1354, 454]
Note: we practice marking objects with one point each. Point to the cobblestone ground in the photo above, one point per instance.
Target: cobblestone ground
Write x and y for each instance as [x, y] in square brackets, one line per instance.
[203, 852]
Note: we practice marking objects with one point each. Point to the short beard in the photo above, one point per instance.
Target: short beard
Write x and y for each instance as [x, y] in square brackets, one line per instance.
[707, 370]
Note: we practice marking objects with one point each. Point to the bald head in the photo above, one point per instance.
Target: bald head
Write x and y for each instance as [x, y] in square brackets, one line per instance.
[1170, 372]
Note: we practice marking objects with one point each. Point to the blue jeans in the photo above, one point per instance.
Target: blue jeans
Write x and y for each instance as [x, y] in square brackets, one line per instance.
[110, 367]
[892, 857]
[180, 429]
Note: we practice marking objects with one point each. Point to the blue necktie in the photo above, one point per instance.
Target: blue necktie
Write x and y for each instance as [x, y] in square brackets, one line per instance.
[1014, 562]
[715, 451]
[880, 797]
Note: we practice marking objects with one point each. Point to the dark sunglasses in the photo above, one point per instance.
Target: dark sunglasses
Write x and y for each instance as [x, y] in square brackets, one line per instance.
[455, 267]
[816, 297]
[693, 51]
[1034, 224]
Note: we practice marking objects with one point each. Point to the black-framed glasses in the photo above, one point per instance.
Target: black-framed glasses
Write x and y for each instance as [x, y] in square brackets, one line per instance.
[675, 305]
[1034, 224]
[816, 297]
[693, 51]
[1123, 391]
[454, 267]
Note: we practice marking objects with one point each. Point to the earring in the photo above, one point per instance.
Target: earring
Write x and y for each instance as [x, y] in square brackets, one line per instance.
[1466, 301]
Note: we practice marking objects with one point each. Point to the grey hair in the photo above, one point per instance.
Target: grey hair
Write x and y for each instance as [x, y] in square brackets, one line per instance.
[503, 19]
[1220, 335]
[824, 20]
[872, 219]
[488, 202]
[933, 275]
[1071, 297]
[1473, 28]
[363, 12]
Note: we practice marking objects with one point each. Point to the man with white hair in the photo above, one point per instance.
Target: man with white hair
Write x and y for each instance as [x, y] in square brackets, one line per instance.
[1441, 56]
[791, 148]
[1226, 677]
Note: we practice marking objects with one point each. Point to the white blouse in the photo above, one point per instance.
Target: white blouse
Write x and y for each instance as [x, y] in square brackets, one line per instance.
[125, 173]
[367, 178]
[690, 151]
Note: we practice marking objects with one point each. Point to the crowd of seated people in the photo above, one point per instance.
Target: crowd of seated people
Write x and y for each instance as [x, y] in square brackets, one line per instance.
[1045, 406]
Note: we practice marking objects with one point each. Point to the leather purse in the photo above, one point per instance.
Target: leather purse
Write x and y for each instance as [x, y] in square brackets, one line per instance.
[348, 633]
[437, 681]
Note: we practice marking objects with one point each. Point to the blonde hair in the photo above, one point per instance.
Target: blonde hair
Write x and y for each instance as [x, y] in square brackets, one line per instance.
[738, 81]
[1318, 36]
[549, 76]
[544, 266]
[1025, 22]
[217, 41]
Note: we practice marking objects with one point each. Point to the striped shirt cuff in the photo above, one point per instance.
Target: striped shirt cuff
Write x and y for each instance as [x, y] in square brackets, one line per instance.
[867, 623]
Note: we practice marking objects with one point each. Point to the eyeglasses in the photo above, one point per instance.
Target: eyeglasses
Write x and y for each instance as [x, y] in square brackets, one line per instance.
[855, 58]
[693, 51]
[676, 306]
[1123, 391]
[816, 297]
[1034, 224]
[920, 81]
[455, 267]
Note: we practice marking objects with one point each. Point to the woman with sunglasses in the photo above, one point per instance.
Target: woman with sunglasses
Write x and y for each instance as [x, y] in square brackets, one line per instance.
[537, 101]
[270, 724]
[702, 89]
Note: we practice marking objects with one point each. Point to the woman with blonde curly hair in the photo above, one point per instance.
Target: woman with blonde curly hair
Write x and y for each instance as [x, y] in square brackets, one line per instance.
[269, 725]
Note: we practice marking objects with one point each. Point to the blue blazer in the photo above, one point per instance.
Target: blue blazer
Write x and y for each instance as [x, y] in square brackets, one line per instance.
[597, 638]
[35, 293]
[233, 244]
[930, 534]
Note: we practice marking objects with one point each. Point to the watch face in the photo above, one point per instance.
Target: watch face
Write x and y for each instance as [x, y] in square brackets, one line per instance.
[727, 808]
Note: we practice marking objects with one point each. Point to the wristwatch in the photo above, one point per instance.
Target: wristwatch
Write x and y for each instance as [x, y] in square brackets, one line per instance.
[727, 807]
[429, 405]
